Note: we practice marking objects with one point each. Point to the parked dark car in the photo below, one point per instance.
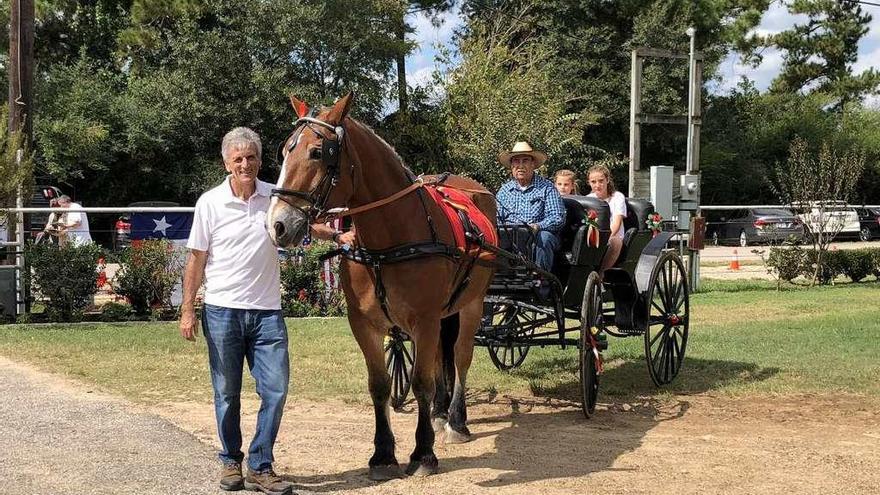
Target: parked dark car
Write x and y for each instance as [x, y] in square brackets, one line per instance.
[755, 226]
[122, 239]
[869, 223]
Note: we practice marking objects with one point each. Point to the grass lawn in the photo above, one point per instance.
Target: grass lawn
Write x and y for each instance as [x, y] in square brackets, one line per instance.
[744, 339]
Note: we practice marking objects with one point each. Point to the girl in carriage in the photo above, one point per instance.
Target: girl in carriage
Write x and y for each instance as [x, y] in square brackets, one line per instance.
[602, 184]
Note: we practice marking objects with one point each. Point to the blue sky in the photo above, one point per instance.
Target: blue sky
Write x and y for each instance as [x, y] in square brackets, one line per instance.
[422, 62]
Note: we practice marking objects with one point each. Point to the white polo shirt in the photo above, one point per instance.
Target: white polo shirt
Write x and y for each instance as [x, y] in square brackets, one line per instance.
[242, 270]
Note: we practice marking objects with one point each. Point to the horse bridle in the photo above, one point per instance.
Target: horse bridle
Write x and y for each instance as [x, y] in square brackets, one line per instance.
[331, 149]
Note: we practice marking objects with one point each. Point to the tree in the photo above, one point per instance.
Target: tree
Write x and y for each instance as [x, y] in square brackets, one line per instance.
[810, 182]
[588, 54]
[501, 93]
[819, 54]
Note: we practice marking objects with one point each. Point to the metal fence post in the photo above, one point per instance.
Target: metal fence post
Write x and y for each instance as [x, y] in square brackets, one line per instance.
[19, 255]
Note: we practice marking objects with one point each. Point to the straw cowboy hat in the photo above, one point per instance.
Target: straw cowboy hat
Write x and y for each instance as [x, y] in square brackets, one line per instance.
[522, 148]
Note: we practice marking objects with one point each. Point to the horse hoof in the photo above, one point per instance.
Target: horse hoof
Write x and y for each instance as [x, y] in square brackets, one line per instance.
[385, 473]
[438, 424]
[454, 437]
[420, 470]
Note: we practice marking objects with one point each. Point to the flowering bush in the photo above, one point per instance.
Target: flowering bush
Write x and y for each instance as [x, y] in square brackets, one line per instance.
[304, 292]
[147, 275]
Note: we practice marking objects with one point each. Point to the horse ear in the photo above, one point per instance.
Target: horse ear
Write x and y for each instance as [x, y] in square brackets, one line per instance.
[299, 107]
[340, 108]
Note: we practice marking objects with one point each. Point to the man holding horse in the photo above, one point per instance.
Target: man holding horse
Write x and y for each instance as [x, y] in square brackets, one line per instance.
[241, 318]
[529, 199]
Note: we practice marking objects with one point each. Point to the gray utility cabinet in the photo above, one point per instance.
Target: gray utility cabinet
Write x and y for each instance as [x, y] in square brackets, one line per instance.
[7, 294]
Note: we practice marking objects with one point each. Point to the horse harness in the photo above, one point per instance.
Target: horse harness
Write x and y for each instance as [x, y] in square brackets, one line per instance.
[316, 210]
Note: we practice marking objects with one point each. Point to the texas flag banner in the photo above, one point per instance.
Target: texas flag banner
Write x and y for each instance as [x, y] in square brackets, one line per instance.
[162, 225]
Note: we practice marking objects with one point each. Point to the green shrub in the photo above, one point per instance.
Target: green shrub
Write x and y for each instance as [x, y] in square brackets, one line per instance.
[115, 312]
[787, 263]
[832, 265]
[147, 274]
[859, 263]
[875, 262]
[303, 291]
[65, 276]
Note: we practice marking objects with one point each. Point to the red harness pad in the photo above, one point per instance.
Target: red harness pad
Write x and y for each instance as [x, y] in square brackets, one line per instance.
[452, 201]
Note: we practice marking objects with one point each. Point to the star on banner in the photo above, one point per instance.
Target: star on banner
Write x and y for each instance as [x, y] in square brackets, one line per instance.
[161, 226]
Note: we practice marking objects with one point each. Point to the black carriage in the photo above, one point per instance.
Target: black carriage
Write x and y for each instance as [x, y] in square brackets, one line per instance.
[645, 294]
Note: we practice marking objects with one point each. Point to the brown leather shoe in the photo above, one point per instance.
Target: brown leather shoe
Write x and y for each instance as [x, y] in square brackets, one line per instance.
[267, 482]
[230, 477]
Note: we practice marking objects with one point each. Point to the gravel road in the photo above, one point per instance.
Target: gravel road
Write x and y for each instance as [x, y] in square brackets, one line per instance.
[63, 441]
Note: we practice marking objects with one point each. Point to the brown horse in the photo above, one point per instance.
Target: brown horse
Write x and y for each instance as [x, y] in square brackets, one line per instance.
[409, 278]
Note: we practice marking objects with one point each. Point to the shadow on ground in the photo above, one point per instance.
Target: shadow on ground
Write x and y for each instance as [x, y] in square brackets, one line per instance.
[546, 436]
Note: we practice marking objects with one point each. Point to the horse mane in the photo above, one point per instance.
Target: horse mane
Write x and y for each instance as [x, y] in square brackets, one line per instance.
[369, 130]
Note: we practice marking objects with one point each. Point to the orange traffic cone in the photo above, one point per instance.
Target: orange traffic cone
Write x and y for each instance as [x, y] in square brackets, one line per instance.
[734, 263]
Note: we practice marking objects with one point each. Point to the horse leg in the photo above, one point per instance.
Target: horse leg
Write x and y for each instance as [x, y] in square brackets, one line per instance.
[383, 464]
[426, 336]
[445, 380]
[469, 320]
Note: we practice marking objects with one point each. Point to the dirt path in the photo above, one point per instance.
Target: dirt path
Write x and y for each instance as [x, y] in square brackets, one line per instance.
[685, 444]
[62, 438]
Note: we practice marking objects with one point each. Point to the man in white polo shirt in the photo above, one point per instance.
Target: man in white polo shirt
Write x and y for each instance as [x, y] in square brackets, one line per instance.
[241, 319]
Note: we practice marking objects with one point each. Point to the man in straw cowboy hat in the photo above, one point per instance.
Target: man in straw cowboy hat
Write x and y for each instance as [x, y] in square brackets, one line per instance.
[531, 199]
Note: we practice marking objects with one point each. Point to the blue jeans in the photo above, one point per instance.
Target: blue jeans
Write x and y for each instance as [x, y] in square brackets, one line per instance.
[546, 245]
[260, 336]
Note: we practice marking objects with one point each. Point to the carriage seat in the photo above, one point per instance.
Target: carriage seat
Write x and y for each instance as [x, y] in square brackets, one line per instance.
[573, 236]
[637, 213]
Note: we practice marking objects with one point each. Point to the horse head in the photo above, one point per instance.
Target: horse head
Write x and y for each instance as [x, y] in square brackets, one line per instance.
[312, 179]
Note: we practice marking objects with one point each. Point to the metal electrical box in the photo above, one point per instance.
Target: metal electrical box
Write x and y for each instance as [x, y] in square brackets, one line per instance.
[689, 191]
[661, 190]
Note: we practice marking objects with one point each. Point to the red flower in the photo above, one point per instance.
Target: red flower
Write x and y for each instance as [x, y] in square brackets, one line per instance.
[302, 296]
[592, 215]
[657, 217]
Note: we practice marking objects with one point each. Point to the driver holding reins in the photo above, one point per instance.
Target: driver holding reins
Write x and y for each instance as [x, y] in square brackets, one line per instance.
[531, 199]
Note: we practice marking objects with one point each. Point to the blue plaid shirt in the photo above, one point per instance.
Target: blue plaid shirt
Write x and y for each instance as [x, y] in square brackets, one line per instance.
[539, 203]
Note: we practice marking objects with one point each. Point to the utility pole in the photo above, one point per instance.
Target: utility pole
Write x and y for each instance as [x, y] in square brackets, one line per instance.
[21, 68]
[21, 97]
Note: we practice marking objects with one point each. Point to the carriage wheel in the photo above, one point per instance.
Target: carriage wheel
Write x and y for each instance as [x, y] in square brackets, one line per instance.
[508, 356]
[591, 317]
[669, 314]
[399, 362]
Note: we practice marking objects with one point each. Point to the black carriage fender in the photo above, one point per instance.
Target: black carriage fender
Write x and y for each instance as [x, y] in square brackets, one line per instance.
[648, 259]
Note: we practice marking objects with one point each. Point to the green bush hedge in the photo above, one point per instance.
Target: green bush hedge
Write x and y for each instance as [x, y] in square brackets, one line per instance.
[65, 276]
[792, 262]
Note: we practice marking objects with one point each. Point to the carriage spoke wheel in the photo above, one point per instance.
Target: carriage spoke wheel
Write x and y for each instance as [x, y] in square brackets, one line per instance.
[669, 314]
[399, 353]
[509, 355]
[591, 318]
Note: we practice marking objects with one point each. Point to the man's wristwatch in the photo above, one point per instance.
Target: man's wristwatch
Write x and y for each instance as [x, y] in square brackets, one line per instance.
[336, 236]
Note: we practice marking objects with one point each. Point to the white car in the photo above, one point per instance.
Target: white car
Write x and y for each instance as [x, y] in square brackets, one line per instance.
[830, 217]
